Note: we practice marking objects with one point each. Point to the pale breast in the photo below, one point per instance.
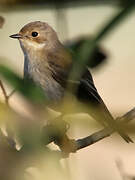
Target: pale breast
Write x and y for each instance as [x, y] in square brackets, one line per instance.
[42, 76]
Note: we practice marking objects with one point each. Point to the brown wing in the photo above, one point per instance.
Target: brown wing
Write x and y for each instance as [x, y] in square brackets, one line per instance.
[87, 93]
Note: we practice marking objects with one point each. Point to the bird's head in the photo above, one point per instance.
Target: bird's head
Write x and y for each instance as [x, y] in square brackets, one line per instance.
[40, 43]
[36, 35]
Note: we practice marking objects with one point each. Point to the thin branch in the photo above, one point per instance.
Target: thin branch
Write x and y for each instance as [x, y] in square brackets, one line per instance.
[71, 145]
[4, 92]
[97, 136]
[11, 93]
[130, 115]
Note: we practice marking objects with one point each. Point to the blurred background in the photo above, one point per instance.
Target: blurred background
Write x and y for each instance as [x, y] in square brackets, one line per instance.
[114, 79]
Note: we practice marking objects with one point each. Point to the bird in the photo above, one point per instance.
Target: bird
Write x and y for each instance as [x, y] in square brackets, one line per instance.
[49, 63]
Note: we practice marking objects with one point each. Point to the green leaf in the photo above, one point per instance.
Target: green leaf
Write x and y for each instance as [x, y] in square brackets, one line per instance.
[26, 87]
[87, 48]
[98, 57]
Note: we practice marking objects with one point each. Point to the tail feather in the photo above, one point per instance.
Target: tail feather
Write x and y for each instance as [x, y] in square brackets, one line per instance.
[107, 119]
[87, 93]
[125, 136]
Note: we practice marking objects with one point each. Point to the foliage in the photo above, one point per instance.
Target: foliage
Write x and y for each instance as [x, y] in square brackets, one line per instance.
[34, 140]
[26, 87]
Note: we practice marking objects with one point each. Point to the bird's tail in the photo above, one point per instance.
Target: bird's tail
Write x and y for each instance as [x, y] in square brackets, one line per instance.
[123, 135]
[116, 126]
[110, 122]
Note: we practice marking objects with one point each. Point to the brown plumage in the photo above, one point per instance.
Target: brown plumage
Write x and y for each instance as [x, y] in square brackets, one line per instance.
[48, 63]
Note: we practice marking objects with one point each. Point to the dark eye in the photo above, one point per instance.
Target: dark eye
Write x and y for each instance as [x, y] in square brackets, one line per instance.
[34, 34]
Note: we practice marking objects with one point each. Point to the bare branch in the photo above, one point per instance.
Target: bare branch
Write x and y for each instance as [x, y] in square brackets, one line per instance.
[128, 116]
[97, 136]
[4, 92]
[71, 145]
[12, 92]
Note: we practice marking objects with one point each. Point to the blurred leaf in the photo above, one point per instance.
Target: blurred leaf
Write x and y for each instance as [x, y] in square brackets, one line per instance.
[87, 48]
[90, 44]
[26, 87]
[2, 20]
[98, 57]
[61, 3]
[125, 2]
[55, 130]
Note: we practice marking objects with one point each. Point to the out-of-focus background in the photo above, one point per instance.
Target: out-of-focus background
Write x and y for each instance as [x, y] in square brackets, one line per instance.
[115, 79]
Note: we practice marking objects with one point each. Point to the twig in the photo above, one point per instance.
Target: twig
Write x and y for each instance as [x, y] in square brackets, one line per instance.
[4, 92]
[12, 92]
[130, 115]
[75, 145]
[97, 136]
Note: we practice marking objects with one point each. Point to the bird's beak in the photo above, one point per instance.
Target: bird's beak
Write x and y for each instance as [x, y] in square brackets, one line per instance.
[16, 36]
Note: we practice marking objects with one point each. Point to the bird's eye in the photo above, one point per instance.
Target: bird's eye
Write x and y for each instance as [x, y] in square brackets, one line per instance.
[34, 34]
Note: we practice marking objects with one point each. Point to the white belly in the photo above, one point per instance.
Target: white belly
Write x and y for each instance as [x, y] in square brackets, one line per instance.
[53, 90]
